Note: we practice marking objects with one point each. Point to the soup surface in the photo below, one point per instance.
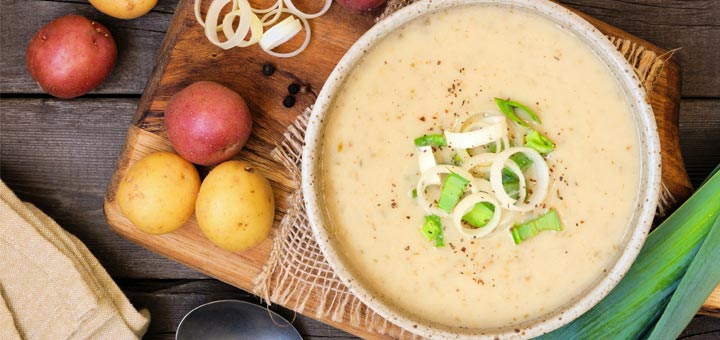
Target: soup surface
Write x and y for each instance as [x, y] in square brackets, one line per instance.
[422, 78]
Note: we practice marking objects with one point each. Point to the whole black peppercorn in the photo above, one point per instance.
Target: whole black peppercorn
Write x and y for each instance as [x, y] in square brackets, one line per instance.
[289, 101]
[294, 88]
[268, 69]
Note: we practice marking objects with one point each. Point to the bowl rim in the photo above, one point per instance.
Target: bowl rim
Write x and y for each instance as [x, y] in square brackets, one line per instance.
[648, 190]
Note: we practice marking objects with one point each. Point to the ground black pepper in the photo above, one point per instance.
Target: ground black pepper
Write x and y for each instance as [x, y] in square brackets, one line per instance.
[289, 101]
[293, 88]
[268, 69]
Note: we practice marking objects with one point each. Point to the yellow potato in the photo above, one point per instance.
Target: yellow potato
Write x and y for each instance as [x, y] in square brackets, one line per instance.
[158, 193]
[235, 207]
[124, 9]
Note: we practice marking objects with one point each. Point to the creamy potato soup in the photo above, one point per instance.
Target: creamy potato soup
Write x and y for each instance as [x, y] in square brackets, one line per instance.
[422, 79]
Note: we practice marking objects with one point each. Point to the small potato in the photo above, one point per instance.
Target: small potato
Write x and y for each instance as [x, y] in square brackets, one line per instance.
[70, 56]
[235, 207]
[207, 123]
[124, 9]
[158, 193]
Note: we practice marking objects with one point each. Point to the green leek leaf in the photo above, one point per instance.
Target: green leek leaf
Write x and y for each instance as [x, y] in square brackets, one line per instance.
[699, 281]
[637, 302]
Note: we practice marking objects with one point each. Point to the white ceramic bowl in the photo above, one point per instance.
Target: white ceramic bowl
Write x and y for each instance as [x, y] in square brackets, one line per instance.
[647, 195]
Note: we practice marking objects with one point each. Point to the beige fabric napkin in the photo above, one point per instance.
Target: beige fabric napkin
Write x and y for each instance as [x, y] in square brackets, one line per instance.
[51, 287]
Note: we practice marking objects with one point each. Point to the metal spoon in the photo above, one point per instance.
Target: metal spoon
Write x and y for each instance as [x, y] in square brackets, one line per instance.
[233, 319]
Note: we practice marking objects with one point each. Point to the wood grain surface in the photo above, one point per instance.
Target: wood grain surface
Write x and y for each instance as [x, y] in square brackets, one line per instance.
[186, 57]
[60, 154]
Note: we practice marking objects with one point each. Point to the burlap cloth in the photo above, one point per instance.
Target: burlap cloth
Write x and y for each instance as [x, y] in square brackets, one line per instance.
[51, 286]
[297, 270]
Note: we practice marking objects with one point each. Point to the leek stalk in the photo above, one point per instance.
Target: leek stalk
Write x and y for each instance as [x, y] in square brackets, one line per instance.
[631, 310]
[701, 278]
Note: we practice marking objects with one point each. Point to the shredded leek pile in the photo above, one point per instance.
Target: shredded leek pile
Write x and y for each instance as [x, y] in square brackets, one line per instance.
[251, 27]
[493, 178]
[674, 273]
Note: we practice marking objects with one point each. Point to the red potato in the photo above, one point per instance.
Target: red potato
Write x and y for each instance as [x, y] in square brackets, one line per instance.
[71, 56]
[207, 123]
[361, 5]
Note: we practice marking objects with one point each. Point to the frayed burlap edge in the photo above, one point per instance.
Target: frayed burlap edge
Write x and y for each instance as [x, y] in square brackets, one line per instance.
[296, 270]
[648, 66]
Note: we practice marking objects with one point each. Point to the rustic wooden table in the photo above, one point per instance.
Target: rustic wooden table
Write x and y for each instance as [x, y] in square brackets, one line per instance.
[59, 154]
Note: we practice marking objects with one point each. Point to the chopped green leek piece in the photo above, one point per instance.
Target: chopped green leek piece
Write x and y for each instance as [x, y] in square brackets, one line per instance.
[479, 215]
[414, 193]
[440, 239]
[431, 140]
[508, 176]
[508, 111]
[549, 221]
[456, 160]
[508, 107]
[510, 180]
[640, 299]
[511, 183]
[521, 160]
[512, 189]
[452, 189]
[527, 110]
[492, 147]
[539, 142]
[432, 229]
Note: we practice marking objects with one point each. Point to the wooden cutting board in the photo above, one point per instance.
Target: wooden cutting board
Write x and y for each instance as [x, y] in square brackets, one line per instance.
[186, 56]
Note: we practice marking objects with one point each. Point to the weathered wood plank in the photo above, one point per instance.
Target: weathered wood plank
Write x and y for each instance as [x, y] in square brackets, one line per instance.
[138, 41]
[69, 173]
[60, 155]
[702, 328]
[692, 25]
[56, 184]
[700, 137]
[71, 148]
[170, 300]
[186, 56]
